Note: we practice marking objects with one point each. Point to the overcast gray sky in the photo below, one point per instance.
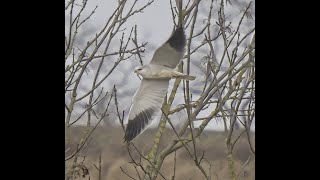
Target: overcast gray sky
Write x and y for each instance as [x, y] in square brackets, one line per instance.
[155, 26]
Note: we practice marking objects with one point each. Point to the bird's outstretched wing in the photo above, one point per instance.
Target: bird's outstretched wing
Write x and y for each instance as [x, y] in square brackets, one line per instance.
[171, 52]
[147, 101]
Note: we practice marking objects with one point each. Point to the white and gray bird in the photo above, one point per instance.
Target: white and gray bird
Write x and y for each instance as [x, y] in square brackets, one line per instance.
[156, 75]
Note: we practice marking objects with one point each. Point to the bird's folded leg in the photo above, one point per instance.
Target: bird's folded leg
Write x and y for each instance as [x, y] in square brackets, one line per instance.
[138, 76]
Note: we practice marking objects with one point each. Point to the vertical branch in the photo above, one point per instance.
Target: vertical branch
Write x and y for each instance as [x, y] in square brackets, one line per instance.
[135, 41]
[117, 107]
[180, 12]
[162, 124]
[230, 132]
[99, 169]
[173, 15]
[187, 90]
[174, 165]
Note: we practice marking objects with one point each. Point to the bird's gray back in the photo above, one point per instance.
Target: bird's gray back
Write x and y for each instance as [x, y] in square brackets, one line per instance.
[171, 52]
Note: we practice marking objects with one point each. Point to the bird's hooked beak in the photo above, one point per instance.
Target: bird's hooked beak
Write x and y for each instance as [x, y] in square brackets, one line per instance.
[136, 71]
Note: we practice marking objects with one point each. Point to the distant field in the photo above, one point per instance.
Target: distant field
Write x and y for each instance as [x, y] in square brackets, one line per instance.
[108, 141]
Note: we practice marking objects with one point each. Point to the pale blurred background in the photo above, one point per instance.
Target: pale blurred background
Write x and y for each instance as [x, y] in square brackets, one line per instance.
[154, 26]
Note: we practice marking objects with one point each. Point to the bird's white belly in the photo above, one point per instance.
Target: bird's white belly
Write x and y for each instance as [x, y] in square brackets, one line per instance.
[163, 74]
[158, 72]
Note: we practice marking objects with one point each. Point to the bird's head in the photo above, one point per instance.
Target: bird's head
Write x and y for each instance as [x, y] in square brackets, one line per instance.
[138, 69]
[142, 70]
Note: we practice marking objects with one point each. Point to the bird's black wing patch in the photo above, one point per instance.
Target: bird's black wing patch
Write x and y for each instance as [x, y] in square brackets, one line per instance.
[178, 39]
[171, 52]
[136, 125]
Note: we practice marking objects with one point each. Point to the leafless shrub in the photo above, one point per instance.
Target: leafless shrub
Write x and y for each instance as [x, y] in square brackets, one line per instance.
[84, 60]
[223, 49]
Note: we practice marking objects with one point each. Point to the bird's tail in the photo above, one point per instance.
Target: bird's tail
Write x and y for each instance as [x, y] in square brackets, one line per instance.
[177, 74]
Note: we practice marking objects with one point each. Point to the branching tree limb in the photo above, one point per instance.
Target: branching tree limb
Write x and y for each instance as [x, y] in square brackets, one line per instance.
[226, 51]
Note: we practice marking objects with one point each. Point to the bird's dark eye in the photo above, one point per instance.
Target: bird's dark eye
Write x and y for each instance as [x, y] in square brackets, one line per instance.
[139, 69]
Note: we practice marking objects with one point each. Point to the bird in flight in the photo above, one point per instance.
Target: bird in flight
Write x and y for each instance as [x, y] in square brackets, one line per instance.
[156, 75]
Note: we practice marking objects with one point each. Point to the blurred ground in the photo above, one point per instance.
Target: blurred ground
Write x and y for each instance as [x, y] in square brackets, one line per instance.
[107, 140]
